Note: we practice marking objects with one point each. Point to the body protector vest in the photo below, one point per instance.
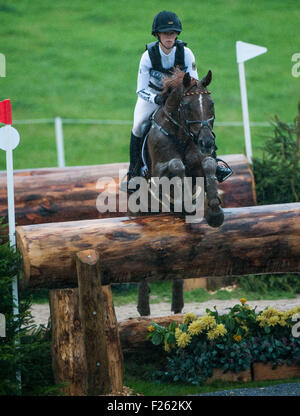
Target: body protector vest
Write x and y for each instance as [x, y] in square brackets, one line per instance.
[157, 72]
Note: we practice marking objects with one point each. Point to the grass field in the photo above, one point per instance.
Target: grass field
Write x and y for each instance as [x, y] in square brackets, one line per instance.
[79, 60]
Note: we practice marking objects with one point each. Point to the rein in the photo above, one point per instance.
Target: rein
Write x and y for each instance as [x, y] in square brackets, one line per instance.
[187, 123]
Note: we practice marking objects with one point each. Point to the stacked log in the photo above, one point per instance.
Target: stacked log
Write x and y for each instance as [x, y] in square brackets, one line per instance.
[252, 240]
[70, 194]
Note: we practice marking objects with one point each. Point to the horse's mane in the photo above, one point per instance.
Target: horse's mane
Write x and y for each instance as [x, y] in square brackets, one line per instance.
[174, 81]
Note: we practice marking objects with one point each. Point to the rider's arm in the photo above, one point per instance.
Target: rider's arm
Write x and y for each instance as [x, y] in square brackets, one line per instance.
[143, 79]
[190, 62]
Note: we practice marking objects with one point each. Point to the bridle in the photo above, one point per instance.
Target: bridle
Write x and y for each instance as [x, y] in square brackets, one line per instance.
[187, 123]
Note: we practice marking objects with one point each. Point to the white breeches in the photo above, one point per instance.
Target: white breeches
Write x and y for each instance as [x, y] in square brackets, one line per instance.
[143, 110]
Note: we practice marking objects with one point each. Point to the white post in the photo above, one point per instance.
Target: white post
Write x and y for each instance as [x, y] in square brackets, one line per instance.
[11, 143]
[11, 206]
[245, 111]
[244, 52]
[59, 142]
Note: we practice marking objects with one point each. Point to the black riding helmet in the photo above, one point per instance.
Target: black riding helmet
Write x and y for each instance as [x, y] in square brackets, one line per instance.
[165, 22]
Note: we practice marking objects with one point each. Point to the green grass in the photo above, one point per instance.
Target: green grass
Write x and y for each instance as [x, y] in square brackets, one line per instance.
[80, 59]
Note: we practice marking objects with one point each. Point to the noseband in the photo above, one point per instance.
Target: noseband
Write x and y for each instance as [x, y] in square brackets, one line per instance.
[188, 123]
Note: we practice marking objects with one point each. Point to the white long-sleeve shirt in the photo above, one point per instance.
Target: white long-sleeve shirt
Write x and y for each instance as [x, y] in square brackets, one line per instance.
[167, 61]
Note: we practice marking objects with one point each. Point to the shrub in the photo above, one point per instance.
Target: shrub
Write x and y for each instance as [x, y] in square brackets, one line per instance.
[277, 180]
[25, 349]
[230, 342]
[277, 173]
[287, 282]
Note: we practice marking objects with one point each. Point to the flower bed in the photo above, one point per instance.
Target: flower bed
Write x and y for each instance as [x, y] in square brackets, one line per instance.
[232, 343]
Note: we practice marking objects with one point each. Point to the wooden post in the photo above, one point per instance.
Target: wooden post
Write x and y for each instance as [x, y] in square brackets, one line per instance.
[67, 341]
[177, 296]
[113, 341]
[100, 351]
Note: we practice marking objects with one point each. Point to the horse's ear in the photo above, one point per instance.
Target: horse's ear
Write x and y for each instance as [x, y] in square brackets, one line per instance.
[186, 80]
[207, 79]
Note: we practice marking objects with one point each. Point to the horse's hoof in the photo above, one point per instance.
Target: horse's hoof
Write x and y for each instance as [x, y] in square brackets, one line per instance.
[215, 218]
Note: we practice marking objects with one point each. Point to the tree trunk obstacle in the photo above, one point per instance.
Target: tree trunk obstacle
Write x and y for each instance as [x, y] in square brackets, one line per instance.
[70, 194]
[252, 240]
[69, 355]
[93, 253]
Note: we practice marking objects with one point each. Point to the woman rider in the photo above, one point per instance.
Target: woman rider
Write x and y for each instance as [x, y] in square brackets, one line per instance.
[157, 62]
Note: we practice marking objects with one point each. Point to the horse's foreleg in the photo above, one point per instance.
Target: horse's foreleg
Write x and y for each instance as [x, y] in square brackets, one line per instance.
[143, 306]
[177, 296]
[214, 214]
[170, 168]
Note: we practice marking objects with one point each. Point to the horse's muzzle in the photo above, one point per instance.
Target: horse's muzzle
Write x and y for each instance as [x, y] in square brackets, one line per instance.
[206, 146]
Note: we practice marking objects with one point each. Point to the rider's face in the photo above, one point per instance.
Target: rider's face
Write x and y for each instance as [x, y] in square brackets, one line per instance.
[167, 39]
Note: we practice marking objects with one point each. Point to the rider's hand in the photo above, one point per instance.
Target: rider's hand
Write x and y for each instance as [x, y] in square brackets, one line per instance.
[158, 99]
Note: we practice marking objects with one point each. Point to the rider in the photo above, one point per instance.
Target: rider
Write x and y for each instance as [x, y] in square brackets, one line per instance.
[157, 62]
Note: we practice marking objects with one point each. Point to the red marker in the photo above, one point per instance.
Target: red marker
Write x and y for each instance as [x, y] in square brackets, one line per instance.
[5, 112]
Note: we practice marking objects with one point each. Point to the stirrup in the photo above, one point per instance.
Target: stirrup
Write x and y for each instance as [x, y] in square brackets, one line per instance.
[220, 180]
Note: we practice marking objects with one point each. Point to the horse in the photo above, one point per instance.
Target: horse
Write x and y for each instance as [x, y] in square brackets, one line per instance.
[181, 143]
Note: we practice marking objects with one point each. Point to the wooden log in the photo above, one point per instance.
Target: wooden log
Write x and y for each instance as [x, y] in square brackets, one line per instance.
[252, 240]
[133, 332]
[218, 374]
[112, 338]
[67, 348]
[99, 351]
[70, 194]
[263, 371]
[68, 352]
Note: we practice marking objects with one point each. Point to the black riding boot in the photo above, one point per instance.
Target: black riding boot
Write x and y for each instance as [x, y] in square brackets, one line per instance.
[223, 170]
[135, 156]
[135, 162]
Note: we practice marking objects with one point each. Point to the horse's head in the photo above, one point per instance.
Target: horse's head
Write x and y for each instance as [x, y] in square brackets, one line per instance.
[189, 102]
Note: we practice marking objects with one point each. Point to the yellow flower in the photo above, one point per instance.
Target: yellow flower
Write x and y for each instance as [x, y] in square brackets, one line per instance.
[189, 317]
[151, 328]
[183, 340]
[218, 331]
[273, 320]
[178, 332]
[237, 338]
[270, 311]
[282, 321]
[208, 322]
[196, 327]
[292, 312]
[262, 320]
[243, 301]
[204, 323]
